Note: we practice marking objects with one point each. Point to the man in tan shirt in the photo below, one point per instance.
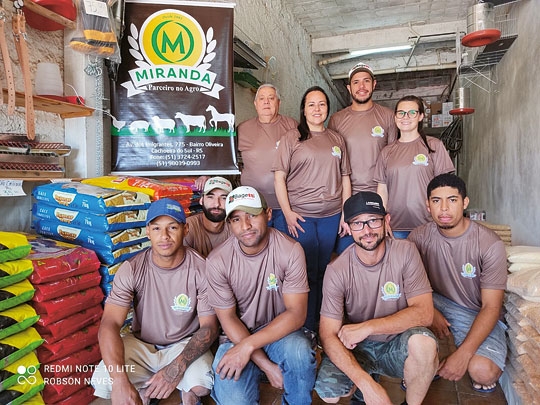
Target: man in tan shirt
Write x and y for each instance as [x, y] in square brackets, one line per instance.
[258, 287]
[376, 308]
[258, 139]
[173, 324]
[209, 228]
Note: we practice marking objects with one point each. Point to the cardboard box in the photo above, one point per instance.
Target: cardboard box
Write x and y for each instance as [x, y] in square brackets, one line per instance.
[436, 108]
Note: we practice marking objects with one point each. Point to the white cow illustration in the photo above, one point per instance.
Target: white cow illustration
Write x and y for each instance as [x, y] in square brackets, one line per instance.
[192, 121]
[162, 124]
[139, 124]
[217, 117]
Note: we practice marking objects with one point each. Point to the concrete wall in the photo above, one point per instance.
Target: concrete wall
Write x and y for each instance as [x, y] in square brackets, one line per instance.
[266, 23]
[500, 160]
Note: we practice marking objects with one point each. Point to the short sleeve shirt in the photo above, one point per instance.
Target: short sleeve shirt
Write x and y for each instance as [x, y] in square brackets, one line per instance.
[355, 292]
[366, 134]
[167, 302]
[258, 144]
[460, 267]
[407, 168]
[315, 170]
[255, 284]
[202, 240]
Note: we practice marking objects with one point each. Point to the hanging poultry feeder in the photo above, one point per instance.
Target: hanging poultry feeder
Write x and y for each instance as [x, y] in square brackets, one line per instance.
[462, 102]
[480, 26]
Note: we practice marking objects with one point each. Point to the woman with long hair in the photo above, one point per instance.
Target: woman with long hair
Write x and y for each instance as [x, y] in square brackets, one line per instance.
[311, 179]
[406, 166]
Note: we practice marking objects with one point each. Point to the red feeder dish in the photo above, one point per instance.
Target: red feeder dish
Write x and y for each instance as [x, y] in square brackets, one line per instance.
[481, 38]
[461, 111]
[65, 8]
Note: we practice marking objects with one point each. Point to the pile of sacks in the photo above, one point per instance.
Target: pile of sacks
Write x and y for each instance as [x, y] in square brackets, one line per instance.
[68, 300]
[523, 317]
[20, 377]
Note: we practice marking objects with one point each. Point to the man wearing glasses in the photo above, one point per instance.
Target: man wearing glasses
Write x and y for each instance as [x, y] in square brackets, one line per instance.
[376, 308]
[367, 128]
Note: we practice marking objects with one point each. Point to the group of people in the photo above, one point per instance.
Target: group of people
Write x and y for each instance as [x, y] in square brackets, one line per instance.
[254, 272]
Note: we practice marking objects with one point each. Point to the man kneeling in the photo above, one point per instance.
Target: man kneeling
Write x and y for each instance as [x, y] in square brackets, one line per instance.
[379, 287]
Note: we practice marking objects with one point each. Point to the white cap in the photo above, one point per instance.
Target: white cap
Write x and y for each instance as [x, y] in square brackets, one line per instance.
[217, 182]
[247, 199]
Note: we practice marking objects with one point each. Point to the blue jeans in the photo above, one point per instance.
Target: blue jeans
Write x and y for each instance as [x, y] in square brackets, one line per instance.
[318, 242]
[276, 213]
[343, 243]
[401, 234]
[461, 319]
[296, 360]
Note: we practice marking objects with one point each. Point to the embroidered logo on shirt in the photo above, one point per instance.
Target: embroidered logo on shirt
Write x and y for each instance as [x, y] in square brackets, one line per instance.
[272, 282]
[390, 291]
[336, 151]
[181, 303]
[377, 131]
[420, 160]
[468, 271]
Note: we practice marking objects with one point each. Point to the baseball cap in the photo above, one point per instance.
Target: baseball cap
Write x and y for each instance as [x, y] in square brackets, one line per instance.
[247, 199]
[217, 182]
[168, 207]
[361, 67]
[365, 202]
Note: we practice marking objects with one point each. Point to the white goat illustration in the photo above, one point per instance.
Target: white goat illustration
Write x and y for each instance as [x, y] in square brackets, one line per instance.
[217, 117]
[192, 121]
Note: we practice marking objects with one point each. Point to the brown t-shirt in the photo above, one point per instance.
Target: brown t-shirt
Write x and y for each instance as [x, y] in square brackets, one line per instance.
[356, 292]
[202, 240]
[314, 168]
[258, 144]
[255, 284]
[460, 267]
[167, 302]
[407, 168]
[366, 134]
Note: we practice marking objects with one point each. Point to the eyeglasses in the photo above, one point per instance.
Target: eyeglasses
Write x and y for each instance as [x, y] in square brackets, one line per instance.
[372, 223]
[410, 113]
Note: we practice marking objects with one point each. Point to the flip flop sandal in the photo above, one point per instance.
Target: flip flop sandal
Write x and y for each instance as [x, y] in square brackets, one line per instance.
[482, 390]
[404, 387]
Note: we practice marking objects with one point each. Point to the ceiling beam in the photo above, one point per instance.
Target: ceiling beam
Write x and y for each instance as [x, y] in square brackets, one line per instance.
[383, 37]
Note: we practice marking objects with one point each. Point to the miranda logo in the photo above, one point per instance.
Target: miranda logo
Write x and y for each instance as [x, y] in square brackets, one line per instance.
[171, 46]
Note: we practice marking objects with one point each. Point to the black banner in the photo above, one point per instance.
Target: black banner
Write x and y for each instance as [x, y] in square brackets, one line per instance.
[173, 100]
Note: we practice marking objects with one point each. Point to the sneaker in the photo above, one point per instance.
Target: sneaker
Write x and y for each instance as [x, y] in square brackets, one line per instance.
[312, 337]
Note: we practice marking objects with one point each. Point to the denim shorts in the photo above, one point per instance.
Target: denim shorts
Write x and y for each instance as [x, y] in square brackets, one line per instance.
[461, 320]
[384, 358]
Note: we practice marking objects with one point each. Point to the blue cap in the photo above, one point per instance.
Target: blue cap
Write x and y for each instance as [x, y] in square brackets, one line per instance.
[166, 206]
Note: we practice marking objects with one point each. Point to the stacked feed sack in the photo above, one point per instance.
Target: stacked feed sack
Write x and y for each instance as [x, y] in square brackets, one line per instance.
[110, 222]
[155, 189]
[522, 305]
[189, 181]
[20, 378]
[68, 300]
[504, 231]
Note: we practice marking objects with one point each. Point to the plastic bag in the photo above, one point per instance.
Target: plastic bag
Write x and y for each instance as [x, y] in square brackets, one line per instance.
[95, 33]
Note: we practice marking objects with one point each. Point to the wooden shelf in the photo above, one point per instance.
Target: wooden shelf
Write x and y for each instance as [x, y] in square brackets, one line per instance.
[65, 110]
